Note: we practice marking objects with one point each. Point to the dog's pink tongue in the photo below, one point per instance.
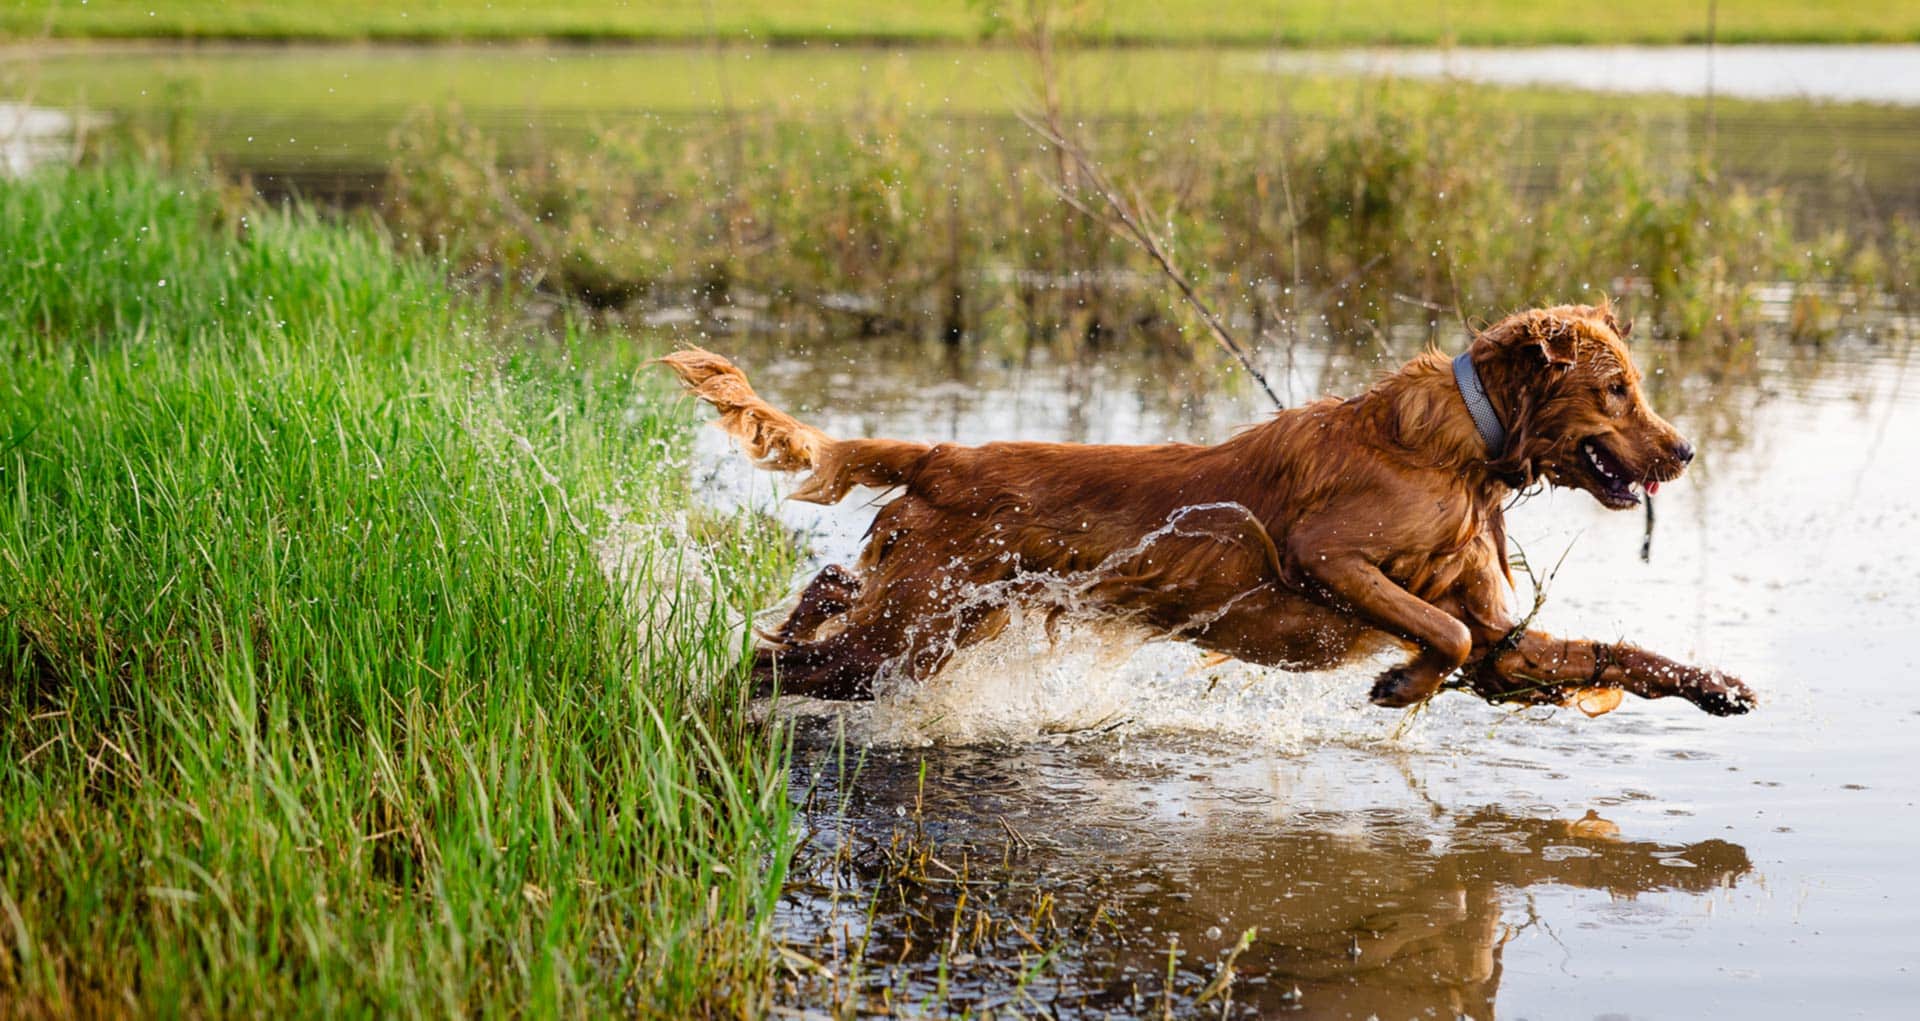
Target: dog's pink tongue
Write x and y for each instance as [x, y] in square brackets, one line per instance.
[1652, 488]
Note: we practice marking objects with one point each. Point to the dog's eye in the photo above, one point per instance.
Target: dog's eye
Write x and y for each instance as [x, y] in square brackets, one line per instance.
[1618, 388]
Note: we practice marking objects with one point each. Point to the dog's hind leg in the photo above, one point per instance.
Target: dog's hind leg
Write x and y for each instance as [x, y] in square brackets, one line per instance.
[841, 667]
[878, 640]
[904, 623]
[845, 666]
[831, 593]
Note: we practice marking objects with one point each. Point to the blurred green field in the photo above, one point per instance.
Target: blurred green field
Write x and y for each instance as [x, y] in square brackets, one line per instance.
[1255, 22]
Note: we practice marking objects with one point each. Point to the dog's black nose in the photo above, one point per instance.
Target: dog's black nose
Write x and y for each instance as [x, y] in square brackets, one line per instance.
[1683, 451]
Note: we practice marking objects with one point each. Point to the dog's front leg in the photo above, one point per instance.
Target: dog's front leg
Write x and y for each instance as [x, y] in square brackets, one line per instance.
[1444, 641]
[1537, 667]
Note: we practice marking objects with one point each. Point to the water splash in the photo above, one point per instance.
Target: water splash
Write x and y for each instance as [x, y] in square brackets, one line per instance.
[1089, 677]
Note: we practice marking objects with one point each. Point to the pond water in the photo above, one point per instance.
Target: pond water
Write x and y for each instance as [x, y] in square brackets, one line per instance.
[1104, 805]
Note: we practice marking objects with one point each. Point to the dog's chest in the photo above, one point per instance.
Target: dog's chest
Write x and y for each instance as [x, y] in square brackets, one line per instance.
[1453, 543]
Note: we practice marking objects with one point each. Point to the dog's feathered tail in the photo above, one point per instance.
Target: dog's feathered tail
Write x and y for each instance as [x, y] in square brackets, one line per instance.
[779, 442]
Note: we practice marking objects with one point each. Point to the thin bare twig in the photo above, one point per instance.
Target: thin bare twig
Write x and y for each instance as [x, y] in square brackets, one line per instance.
[1122, 215]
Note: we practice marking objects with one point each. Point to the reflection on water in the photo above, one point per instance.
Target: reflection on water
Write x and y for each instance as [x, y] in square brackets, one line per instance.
[956, 879]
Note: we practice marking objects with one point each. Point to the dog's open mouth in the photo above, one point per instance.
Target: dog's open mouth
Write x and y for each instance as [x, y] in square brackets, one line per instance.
[1614, 485]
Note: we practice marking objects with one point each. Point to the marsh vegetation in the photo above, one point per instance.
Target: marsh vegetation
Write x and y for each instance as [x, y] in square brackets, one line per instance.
[870, 191]
[1393, 209]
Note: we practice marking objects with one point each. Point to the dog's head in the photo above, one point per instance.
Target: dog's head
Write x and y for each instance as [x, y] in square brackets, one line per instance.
[1569, 393]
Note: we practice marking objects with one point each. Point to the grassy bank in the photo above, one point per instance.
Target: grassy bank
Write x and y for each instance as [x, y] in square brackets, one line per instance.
[318, 691]
[1258, 22]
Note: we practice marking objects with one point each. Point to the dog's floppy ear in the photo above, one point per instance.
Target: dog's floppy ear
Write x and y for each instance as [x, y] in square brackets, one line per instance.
[1555, 338]
[1621, 327]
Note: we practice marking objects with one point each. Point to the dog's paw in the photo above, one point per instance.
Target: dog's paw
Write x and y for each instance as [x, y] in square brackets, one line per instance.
[1402, 686]
[1724, 695]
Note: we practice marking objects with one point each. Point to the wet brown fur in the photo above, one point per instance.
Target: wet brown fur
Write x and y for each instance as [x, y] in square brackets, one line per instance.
[1298, 542]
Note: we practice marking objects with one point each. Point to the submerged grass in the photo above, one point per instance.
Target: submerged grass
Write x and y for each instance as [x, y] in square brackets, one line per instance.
[323, 680]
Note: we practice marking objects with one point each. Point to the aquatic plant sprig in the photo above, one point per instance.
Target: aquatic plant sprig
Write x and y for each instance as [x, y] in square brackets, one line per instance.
[1458, 682]
[1222, 983]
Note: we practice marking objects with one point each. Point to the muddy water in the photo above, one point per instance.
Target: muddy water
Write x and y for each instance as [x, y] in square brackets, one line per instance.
[1109, 811]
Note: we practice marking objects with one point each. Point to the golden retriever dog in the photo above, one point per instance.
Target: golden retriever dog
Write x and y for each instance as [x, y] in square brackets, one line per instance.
[1297, 543]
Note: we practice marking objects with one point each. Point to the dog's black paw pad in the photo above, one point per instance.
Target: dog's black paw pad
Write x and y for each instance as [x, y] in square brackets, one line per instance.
[1726, 697]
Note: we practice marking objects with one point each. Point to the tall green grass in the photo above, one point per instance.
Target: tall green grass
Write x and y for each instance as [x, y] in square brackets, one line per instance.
[317, 691]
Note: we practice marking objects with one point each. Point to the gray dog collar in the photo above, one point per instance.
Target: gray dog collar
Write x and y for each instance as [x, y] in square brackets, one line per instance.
[1491, 431]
